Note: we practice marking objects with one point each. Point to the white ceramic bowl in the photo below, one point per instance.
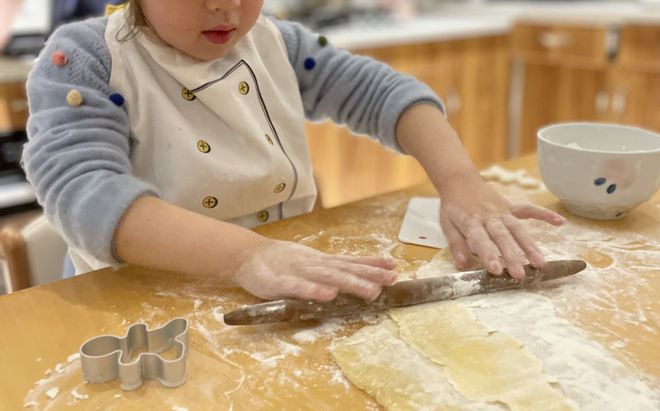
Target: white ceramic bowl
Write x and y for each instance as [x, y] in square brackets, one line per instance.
[599, 171]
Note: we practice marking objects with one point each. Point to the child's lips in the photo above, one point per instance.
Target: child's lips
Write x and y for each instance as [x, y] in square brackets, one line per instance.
[219, 35]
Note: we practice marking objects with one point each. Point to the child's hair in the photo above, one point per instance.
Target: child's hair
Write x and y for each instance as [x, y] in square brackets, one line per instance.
[135, 20]
[136, 17]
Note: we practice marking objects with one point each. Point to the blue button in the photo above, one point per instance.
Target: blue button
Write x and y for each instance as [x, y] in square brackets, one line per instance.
[118, 99]
[310, 63]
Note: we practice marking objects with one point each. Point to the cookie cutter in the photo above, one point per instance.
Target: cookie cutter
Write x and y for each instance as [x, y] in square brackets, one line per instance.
[107, 357]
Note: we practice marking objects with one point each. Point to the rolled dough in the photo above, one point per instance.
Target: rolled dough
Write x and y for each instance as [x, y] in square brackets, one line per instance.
[396, 375]
[441, 357]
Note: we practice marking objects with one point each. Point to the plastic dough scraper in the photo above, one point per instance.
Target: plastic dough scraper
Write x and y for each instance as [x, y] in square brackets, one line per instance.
[402, 294]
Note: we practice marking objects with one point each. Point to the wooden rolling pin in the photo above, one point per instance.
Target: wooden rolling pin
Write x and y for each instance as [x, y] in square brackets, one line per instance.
[402, 294]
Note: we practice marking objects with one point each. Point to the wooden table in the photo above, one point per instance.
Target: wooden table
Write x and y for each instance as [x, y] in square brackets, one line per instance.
[284, 365]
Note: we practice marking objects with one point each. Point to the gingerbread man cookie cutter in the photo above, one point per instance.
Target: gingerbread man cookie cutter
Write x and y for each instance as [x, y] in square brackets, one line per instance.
[107, 357]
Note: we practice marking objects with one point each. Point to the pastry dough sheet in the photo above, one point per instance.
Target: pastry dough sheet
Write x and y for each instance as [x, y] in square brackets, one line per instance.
[438, 356]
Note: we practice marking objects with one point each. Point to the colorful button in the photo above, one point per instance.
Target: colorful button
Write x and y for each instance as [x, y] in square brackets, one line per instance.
[279, 188]
[611, 189]
[270, 140]
[188, 95]
[59, 59]
[210, 202]
[244, 88]
[310, 63]
[203, 146]
[74, 98]
[262, 216]
[323, 41]
[118, 99]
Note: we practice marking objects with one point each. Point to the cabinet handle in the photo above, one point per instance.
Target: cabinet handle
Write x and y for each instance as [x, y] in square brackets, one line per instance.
[554, 40]
[620, 101]
[602, 101]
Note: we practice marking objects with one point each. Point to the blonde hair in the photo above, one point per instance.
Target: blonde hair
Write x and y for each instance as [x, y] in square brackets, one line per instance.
[135, 15]
[135, 19]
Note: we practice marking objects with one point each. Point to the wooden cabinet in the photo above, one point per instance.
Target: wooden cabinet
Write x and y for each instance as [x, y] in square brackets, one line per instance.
[13, 107]
[469, 75]
[616, 79]
[13, 100]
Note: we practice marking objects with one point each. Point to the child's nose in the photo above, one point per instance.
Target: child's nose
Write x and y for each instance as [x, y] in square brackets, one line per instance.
[222, 5]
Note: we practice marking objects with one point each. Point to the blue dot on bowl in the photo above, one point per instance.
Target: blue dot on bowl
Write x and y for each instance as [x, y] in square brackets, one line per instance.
[600, 181]
[611, 188]
[310, 63]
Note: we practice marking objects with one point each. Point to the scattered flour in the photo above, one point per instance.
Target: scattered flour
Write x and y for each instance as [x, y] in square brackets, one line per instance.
[73, 357]
[77, 396]
[326, 329]
[52, 393]
[178, 408]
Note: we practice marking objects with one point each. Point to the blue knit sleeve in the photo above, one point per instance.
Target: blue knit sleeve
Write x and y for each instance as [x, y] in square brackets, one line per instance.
[366, 95]
[77, 157]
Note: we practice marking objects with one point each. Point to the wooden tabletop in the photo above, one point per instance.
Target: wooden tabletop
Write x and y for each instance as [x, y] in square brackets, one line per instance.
[270, 367]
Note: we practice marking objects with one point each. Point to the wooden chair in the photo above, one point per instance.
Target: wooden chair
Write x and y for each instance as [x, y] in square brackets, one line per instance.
[32, 255]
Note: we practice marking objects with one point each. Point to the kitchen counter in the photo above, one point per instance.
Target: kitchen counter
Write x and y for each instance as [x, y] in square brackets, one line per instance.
[614, 303]
[456, 22]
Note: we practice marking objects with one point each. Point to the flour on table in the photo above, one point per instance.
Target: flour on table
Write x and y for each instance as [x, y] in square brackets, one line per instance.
[52, 393]
[586, 365]
[327, 328]
[77, 396]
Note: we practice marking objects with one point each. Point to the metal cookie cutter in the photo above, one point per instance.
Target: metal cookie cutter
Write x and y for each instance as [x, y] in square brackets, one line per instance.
[107, 357]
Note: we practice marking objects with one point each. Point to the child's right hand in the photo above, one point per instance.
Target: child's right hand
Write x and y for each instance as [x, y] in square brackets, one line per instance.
[282, 269]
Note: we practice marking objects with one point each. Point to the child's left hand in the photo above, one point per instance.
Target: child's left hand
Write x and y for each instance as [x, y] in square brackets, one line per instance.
[476, 219]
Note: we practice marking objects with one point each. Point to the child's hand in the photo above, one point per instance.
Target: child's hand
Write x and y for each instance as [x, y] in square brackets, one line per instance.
[281, 269]
[476, 219]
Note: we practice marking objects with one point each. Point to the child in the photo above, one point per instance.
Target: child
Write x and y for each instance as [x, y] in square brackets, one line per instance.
[159, 134]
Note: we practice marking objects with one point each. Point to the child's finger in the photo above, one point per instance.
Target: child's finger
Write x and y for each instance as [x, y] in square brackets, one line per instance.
[344, 281]
[296, 287]
[481, 244]
[381, 262]
[457, 245]
[374, 274]
[528, 211]
[509, 248]
[525, 241]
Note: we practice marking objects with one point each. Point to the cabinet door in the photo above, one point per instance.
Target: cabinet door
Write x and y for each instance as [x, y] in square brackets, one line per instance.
[553, 94]
[349, 168]
[13, 107]
[484, 89]
[635, 98]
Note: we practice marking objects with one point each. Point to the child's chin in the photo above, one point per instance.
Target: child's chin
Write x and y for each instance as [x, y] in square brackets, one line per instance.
[209, 53]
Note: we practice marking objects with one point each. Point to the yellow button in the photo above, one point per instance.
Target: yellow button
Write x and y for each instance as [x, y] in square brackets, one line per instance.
[270, 140]
[203, 146]
[280, 187]
[74, 98]
[210, 202]
[188, 95]
[244, 88]
[262, 216]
